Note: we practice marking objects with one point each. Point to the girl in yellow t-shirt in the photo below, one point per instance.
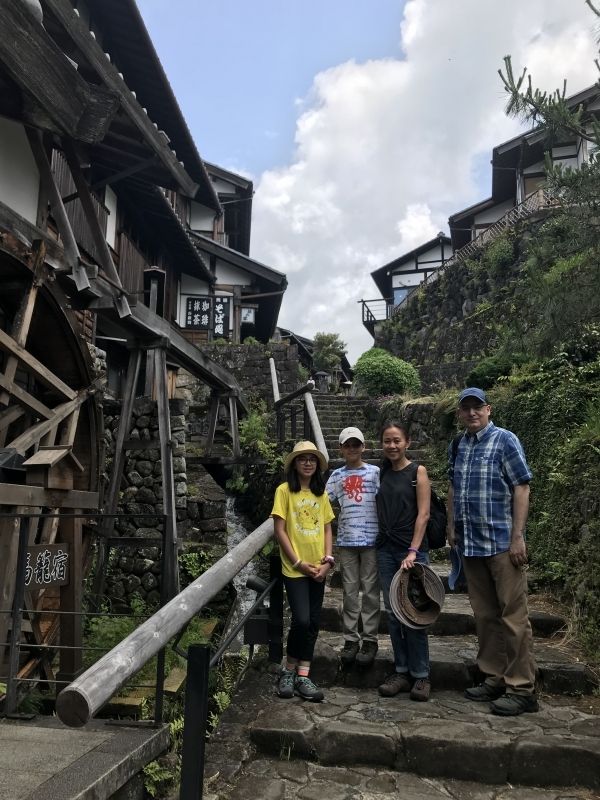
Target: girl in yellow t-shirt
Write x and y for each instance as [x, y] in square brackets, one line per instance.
[302, 518]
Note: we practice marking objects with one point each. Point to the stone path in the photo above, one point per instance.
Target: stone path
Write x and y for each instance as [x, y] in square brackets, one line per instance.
[359, 745]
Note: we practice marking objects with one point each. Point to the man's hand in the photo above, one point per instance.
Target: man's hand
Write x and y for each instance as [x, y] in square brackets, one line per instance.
[518, 550]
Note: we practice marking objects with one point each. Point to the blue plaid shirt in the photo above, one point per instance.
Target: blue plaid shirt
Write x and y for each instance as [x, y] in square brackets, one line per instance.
[489, 464]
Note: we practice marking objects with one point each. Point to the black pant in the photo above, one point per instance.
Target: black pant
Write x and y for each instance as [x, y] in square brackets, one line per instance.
[305, 597]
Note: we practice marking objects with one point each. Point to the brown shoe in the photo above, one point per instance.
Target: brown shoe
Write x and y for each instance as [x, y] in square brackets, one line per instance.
[394, 684]
[420, 690]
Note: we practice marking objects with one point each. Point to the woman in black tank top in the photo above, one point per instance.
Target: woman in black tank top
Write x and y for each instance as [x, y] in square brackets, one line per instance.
[403, 511]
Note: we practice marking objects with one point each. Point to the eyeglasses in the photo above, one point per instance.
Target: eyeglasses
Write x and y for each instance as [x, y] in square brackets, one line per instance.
[307, 459]
[474, 407]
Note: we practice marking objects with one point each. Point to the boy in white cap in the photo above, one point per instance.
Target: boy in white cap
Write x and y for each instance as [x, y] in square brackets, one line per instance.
[354, 487]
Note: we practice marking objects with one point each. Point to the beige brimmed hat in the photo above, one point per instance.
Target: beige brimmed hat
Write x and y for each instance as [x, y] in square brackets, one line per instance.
[417, 596]
[305, 448]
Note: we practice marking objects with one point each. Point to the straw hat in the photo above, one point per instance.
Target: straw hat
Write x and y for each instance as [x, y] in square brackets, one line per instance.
[417, 596]
[305, 448]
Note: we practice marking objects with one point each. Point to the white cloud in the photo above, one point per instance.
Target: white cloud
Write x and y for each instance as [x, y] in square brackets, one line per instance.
[387, 149]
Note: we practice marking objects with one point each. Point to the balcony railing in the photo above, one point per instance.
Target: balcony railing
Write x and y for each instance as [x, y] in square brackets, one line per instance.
[375, 311]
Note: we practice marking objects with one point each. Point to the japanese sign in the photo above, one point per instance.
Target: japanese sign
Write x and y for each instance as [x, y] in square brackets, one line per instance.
[221, 317]
[47, 565]
[198, 313]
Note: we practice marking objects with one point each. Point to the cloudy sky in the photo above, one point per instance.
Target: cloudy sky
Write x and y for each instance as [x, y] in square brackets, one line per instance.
[363, 123]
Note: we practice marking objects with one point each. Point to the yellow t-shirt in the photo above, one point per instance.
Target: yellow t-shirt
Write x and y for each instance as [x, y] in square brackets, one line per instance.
[305, 517]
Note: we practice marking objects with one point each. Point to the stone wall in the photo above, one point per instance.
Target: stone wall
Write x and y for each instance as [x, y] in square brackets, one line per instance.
[250, 365]
[199, 501]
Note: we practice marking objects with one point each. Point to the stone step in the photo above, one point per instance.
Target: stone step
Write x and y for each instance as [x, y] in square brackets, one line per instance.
[456, 617]
[449, 737]
[452, 660]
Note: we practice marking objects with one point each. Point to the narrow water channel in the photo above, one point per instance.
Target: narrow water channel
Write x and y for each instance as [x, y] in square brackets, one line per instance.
[238, 527]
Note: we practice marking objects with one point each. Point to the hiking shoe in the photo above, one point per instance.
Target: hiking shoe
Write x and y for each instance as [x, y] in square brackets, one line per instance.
[420, 690]
[484, 693]
[307, 690]
[348, 652]
[367, 654]
[513, 704]
[394, 684]
[285, 687]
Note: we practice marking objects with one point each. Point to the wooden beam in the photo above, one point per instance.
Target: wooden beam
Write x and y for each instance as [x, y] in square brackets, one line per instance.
[108, 73]
[22, 320]
[139, 166]
[38, 66]
[14, 493]
[91, 218]
[34, 434]
[42, 373]
[25, 399]
[71, 597]
[168, 477]
[72, 256]
[87, 694]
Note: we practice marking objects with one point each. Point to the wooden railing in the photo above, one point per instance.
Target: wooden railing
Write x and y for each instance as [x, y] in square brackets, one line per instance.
[539, 200]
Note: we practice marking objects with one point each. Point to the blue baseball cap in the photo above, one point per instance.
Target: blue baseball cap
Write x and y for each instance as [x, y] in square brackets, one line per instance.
[472, 391]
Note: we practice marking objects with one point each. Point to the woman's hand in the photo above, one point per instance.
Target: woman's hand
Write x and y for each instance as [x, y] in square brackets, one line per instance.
[409, 561]
[310, 570]
[322, 572]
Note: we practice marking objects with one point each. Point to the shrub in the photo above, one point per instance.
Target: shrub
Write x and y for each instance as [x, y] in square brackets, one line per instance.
[379, 372]
[490, 369]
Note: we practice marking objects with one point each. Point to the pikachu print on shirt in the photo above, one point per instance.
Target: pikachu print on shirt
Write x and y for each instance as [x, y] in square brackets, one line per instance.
[306, 512]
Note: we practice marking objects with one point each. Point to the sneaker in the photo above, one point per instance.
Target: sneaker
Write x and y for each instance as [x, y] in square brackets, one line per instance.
[367, 654]
[394, 684]
[513, 704]
[285, 687]
[348, 652]
[420, 690]
[307, 690]
[484, 693]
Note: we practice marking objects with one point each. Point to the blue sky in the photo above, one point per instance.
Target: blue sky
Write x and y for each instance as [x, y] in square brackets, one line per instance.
[363, 123]
[238, 67]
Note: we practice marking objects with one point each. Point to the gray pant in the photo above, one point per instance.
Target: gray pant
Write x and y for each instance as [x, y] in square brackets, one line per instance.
[359, 572]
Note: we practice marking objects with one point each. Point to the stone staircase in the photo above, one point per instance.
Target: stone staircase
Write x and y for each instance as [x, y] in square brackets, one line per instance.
[359, 745]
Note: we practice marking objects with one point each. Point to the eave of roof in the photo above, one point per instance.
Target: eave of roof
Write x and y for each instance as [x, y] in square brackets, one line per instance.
[476, 208]
[239, 260]
[139, 62]
[226, 175]
[422, 248]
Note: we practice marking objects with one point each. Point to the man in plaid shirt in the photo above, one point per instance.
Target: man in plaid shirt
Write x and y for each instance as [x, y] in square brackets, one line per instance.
[488, 502]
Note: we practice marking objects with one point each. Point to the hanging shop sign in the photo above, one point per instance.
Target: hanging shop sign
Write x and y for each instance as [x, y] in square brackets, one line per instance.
[47, 565]
[198, 313]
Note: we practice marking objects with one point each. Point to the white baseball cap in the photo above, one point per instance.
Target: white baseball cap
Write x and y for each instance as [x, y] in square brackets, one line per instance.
[351, 433]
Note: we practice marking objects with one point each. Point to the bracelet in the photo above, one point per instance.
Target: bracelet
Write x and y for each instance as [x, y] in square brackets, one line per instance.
[296, 564]
[414, 550]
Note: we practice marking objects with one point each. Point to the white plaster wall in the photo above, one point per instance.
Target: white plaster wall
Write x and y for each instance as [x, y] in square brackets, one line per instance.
[188, 285]
[228, 274]
[412, 279]
[201, 217]
[19, 176]
[492, 214]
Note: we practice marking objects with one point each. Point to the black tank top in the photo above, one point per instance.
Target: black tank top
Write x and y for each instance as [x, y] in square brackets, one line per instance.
[397, 507]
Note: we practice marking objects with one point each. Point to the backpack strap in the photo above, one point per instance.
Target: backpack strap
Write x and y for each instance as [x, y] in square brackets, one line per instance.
[455, 443]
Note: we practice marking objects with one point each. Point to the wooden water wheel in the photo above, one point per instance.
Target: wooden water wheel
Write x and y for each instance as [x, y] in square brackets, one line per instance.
[49, 453]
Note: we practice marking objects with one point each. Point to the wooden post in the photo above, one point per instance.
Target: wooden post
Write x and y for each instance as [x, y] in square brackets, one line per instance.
[274, 379]
[112, 498]
[71, 595]
[235, 431]
[168, 479]
[309, 405]
[237, 314]
[213, 415]
[9, 543]
[149, 385]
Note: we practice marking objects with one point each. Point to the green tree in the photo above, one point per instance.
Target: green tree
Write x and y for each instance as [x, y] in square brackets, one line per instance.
[328, 350]
[379, 372]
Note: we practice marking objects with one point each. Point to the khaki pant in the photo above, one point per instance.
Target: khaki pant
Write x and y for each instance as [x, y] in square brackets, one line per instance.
[359, 571]
[498, 595]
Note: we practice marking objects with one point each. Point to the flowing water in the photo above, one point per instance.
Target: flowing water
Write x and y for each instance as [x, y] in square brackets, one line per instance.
[238, 527]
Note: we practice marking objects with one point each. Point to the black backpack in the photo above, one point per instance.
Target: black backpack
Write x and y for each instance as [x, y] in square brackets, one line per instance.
[438, 516]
